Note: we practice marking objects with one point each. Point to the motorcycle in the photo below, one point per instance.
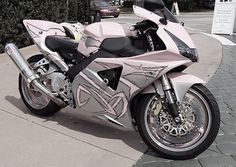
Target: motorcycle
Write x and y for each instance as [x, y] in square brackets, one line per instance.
[134, 82]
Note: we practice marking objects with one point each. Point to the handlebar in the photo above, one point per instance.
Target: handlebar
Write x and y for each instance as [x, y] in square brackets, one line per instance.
[140, 25]
[144, 25]
[146, 28]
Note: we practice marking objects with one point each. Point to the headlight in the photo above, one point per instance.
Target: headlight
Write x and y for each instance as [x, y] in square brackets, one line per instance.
[118, 9]
[184, 50]
[104, 10]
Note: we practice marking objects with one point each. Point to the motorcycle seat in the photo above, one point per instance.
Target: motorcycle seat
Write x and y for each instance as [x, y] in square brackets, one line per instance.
[61, 44]
[121, 46]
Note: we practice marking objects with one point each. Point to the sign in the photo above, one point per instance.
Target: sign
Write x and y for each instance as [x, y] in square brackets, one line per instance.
[224, 17]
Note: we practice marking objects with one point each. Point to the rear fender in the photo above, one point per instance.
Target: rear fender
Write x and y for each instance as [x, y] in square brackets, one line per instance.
[180, 82]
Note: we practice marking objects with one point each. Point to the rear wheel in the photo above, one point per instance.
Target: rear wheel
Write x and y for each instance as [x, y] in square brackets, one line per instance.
[200, 124]
[35, 101]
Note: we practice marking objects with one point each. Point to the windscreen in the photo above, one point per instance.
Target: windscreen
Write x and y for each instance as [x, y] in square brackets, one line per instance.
[159, 11]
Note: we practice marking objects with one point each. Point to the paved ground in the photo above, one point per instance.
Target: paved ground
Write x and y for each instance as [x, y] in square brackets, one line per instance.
[67, 140]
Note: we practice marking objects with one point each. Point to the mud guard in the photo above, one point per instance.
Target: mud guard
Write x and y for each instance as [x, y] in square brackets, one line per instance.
[181, 82]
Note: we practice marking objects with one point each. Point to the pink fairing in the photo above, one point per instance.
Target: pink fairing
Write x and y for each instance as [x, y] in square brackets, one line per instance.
[103, 30]
[38, 29]
[181, 83]
[175, 28]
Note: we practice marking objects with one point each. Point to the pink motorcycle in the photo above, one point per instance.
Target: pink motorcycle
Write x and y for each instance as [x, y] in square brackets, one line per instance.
[131, 78]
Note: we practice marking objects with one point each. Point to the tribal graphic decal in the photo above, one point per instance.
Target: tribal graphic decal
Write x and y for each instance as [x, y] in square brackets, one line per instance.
[94, 96]
[132, 86]
[108, 105]
[152, 72]
[96, 92]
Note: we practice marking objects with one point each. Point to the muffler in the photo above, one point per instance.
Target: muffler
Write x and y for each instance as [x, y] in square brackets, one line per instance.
[29, 74]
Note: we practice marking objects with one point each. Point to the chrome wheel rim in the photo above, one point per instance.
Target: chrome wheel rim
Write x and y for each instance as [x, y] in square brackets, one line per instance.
[33, 97]
[196, 122]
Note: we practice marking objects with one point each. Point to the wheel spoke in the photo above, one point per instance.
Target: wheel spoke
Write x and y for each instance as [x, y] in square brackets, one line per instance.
[195, 115]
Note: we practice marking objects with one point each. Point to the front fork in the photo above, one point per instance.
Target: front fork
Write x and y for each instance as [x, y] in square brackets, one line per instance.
[171, 103]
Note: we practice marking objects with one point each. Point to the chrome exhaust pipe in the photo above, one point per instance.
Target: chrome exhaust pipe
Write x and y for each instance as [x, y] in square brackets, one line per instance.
[29, 74]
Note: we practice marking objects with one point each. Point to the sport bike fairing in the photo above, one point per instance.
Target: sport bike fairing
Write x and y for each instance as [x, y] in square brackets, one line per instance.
[93, 95]
[175, 28]
[39, 29]
[91, 91]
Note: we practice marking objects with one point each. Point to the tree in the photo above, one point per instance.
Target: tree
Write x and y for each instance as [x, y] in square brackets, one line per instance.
[13, 12]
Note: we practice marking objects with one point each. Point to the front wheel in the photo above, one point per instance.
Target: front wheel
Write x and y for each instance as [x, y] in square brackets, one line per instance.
[200, 123]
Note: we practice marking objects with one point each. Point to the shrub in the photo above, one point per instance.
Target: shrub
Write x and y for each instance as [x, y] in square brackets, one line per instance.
[13, 12]
[128, 4]
[186, 5]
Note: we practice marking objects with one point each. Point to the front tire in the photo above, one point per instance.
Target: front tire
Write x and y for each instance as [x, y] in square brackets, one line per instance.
[36, 102]
[198, 130]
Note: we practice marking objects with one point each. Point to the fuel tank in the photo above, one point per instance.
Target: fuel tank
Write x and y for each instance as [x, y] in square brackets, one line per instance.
[102, 30]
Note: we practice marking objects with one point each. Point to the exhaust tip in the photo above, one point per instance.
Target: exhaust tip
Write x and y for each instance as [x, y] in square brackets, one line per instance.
[8, 49]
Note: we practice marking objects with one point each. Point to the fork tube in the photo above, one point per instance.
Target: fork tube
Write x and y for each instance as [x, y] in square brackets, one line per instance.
[172, 107]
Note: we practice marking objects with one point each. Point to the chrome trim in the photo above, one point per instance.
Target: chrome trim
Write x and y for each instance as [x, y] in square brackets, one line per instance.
[165, 83]
[114, 121]
[29, 74]
[20, 62]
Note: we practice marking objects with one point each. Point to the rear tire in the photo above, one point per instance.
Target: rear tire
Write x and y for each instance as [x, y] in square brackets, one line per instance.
[35, 101]
[181, 151]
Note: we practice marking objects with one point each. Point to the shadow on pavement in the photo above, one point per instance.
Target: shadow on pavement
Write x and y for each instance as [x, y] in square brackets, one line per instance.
[73, 120]
[17, 103]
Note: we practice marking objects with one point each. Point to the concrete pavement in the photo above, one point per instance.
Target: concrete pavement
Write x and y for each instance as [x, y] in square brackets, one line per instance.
[65, 139]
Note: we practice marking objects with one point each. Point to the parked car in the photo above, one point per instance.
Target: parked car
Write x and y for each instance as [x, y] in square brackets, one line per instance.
[103, 8]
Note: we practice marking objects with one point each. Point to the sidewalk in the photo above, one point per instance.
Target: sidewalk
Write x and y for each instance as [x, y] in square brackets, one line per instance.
[67, 140]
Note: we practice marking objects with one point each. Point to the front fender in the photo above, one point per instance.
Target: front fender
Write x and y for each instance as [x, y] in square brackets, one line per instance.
[181, 82]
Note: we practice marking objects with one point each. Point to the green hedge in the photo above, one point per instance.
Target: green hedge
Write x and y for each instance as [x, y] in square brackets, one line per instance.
[13, 12]
[184, 5]
[128, 4]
